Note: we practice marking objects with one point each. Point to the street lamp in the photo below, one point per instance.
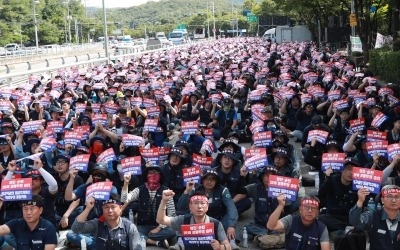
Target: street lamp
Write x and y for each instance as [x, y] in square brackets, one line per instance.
[34, 3]
[105, 32]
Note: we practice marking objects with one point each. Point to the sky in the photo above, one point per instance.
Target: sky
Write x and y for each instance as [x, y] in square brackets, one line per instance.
[115, 3]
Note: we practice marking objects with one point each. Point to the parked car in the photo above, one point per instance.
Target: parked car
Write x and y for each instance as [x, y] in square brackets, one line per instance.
[12, 47]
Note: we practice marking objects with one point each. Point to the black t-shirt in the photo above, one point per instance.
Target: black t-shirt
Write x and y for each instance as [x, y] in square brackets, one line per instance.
[60, 203]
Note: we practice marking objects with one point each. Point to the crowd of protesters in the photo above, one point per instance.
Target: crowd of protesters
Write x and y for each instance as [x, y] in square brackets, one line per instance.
[214, 96]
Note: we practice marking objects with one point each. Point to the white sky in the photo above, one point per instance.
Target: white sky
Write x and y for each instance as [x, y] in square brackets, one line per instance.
[115, 3]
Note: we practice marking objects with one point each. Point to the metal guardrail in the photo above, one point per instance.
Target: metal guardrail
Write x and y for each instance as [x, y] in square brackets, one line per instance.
[81, 60]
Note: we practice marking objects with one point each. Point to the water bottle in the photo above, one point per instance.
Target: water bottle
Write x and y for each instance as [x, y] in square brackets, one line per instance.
[130, 215]
[371, 205]
[379, 206]
[316, 180]
[83, 244]
[142, 244]
[245, 238]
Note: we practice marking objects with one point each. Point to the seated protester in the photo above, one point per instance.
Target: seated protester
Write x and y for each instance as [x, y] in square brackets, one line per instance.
[7, 150]
[391, 174]
[382, 225]
[264, 206]
[229, 144]
[224, 120]
[98, 173]
[66, 211]
[372, 113]
[339, 123]
[8, 128]
[101, 133]
[98, 144]
[56, 114]
[317, 123]
[393, 135]
[221, 205]
[280, 139]
[123, 122]
[189, 111]
[228, 170]
[149, 197]
[302, 231]
[303, 117]
[38, 112]
[314, 154]
[139, 115]
[159, 137]
[283, 163]
[289, 108]
[356, 146]
[172, 172]
[340, 196]
[205, 114]
[31, 231]
[198, 205]
[186, 151]
[110, 232]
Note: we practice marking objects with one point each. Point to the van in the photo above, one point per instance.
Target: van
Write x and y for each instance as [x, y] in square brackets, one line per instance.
[12, 47]
[178, 37]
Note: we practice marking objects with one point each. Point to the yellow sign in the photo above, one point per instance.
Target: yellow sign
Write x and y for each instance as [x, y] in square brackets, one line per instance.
[353, 20]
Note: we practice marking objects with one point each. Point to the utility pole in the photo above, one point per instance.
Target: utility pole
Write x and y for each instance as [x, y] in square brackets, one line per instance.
[105, 32]
[208, 20]
[214, 20]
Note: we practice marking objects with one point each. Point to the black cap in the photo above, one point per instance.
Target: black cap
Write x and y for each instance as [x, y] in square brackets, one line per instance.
[35, 201]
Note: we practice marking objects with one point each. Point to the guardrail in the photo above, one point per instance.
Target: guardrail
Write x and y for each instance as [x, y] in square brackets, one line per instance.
[81, 60]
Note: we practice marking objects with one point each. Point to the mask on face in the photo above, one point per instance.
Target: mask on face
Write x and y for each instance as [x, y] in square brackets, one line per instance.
[98, 147]
[236, 101]
[227, 108]
[271, 128]
[153, 181]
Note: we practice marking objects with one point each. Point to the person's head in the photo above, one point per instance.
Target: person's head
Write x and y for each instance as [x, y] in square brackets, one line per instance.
[375, 110]
[7, 128]
[344, 114]
[153, 177]
[122, 113]
[198, 204]
[61, 163]
[36, 178]
[207, 104]
[65, 105]
[264, 173]
[98, 145]
[176, 156]
[193, 98]
[332, 146]
[295, 101]
[99, 172]
[227, 159]
[32, 209]
[317, 121]
[281, 158]
[347, 174]
[227, 103]
[4, 146]
[396, 123]
[183, 145]
[280, 136]
[309, 108]
[390, 197]
[309, 209]
[229, 144]
[209, 178]
[112, 208]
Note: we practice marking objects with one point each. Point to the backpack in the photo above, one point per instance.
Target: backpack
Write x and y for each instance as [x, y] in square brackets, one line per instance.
[270, 241]
[352, 240]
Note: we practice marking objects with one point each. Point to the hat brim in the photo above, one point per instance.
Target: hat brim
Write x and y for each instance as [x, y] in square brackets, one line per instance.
[232, 156]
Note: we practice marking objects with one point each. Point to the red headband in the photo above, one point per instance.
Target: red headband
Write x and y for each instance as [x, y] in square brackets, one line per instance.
[198, 198]
[309, 202]
[390, 191]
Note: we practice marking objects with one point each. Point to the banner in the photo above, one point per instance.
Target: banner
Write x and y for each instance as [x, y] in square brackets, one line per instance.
[16, 189]
[111, 108]
[5, 107]
[153, 111]
[378, 120]
[202, 161]
[132, 140]
[377, 147]
[132, 165]
[84, 130]
[320, 135]
[262, 139]
[208, 146]
[163, 153]
[373, 135]
[31, 157]
[148, 103]
[106, 156]
[99, 190]
[367, 178]
[151, 155]
[80, 162]
[357, 125]
[256, 162]
[56, 126]
[250, 152]
[150, 125]
[189, 127]
[191, 174]
[197, 234]
[73, 138]
[47, 144]
[334, 95]
[99, 118]
[283, 185]
[136, 101]
[333, 161]
[341, 104]
[31, 126]
[392, 150]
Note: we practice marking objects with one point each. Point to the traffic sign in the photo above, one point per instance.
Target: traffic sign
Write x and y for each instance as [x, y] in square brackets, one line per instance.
[353, 20]
[252, 18]
[181, 26]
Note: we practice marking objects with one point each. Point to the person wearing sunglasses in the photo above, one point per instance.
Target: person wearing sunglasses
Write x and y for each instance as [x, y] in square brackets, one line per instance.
[382, 225]
[302, 231]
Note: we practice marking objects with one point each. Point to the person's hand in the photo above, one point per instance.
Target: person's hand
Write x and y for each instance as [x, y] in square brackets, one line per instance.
[155, 230]
[198, 133]
[21, 132]
[214, 104]
[210, 125]
[189, 186]
[68, 148]
[37, 164]
[127, 177]
[167, 194]
[215, 244]
[64, 222]
[362, 193]
[396, 158]
[328, 171]
[313, 141]
[121, 147]
[230, 233]
[41, 109]
[12, 166]
[198, 102]
[90, 202]
[73, 172]
[281, 199]
[375, 159]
